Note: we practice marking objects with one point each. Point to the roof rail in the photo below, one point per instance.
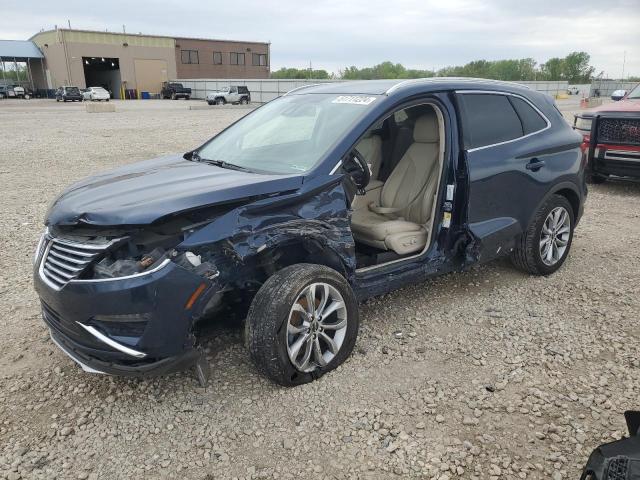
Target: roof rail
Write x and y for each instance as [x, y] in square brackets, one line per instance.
[301, 88]
[457, 79]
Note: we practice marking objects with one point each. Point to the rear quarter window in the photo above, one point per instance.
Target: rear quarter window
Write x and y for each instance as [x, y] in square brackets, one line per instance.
[489, 119]
[531, 120]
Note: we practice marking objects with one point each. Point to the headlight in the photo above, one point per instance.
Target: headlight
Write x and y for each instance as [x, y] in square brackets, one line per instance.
[584, 124]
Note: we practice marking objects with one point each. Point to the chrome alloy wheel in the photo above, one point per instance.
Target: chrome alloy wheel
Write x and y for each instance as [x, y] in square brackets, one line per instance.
[316, 327]
[555, 235]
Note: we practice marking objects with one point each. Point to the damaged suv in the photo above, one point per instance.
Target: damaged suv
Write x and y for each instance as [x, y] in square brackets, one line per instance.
[292, 215]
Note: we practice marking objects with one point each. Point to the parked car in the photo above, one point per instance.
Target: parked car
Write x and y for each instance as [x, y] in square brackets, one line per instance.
[611, 138]
[14, 91]
[175, 91]
[618, 95]
[68, 93]
[3, 91]
[95, 94]
[573, 90]
[287, 218]
[233, 94]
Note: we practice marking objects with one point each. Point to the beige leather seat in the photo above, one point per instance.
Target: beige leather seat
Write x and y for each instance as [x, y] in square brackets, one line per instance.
[371, 149]
[401, 219]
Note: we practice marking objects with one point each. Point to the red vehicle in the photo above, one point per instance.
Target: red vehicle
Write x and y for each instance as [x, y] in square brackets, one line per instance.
[612, 138]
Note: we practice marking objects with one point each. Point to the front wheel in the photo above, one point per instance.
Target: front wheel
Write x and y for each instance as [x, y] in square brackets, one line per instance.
[596, 179]
[545, 245]
[302, 323]
[220, 101]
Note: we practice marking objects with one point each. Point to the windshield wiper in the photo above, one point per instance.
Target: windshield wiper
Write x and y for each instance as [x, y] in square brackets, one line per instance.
[223, 164]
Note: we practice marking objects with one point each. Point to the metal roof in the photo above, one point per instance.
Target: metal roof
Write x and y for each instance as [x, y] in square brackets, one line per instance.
[19, 49]
[382, 87]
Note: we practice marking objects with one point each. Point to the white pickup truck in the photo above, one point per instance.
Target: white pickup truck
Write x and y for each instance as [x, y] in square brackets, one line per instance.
[233, 94]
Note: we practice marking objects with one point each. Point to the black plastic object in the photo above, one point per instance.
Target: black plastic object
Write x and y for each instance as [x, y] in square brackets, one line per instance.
[619, 460]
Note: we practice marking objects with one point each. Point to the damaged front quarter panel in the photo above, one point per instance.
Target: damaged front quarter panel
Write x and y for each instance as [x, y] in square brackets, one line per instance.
[248, 243]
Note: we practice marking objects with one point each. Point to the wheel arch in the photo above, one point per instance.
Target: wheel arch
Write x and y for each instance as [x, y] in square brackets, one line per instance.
[568, 190]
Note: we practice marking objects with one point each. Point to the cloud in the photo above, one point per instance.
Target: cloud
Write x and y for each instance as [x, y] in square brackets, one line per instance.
[333, 34]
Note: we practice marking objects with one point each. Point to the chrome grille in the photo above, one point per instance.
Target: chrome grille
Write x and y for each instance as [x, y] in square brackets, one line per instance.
[64, 261]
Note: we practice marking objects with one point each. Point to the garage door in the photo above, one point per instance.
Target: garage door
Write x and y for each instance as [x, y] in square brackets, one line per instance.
[150, 74]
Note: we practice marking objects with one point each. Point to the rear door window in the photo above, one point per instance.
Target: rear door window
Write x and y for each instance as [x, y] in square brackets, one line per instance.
[489, 119]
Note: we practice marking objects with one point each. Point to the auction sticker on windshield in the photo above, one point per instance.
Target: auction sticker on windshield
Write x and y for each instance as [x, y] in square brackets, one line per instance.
[354, 99]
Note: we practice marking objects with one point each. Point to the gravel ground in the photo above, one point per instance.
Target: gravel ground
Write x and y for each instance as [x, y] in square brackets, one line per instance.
[487, 374]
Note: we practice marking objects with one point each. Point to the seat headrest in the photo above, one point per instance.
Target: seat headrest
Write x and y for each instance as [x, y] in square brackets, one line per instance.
[426, 129]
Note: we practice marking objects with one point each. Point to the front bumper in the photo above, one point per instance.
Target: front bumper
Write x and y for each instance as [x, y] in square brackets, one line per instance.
[150, 315]
[618, 160]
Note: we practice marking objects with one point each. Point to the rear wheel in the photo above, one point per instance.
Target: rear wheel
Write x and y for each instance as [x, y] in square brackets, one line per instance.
[303, 323]
[243, 101]
[545, 245]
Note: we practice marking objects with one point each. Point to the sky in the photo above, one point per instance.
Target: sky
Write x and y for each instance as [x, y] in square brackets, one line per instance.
[334, 34]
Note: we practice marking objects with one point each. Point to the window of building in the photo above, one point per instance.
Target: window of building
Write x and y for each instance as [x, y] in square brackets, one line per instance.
[189, 56]
[217, 58]
[531, 120]
[260, 59]
[489, 119]
[236, 58]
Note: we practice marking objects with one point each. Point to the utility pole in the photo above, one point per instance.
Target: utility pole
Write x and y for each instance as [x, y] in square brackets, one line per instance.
[624, 60]
[69, 22]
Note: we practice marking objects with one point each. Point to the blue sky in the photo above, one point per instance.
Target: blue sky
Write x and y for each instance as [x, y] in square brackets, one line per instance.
[333, 34]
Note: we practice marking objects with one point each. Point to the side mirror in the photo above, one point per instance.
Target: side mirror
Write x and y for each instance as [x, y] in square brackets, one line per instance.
[356, 167]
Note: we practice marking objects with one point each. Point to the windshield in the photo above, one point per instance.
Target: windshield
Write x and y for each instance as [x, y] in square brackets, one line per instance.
[635, 93]
[72, 90]
[288, 135]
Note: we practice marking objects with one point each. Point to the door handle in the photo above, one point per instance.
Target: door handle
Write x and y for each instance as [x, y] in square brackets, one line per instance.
[535, 164]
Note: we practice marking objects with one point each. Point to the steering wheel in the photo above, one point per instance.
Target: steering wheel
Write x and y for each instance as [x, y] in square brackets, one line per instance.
[358, 169]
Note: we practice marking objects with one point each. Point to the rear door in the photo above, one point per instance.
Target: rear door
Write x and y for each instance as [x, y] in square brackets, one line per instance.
[501, 133]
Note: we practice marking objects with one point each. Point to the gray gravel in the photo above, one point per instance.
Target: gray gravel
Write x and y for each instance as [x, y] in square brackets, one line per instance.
[488, 374]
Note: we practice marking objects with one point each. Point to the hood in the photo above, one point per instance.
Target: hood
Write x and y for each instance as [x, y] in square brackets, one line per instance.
[625, 105]
[143, 192]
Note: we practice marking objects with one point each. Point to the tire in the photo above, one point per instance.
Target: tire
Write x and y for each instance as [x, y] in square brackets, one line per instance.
[596, 179]
[173, 96]
[243, 101]
[220, 101]
[267, 325]
[187, 97]
[209, 102]
[57, 99]
[527, 255]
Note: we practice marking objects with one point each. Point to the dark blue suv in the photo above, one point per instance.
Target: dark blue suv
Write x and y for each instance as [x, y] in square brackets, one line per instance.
[286, 219]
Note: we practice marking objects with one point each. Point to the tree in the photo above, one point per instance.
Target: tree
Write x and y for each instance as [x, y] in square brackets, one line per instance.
[553, 69]
[300, 73]
[577, 68]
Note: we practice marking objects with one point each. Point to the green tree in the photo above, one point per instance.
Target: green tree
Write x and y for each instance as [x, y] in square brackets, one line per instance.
[577, 68]
[300, 73]
[553, 69]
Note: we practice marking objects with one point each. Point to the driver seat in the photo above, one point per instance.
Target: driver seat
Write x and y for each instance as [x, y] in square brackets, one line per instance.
[401, 220]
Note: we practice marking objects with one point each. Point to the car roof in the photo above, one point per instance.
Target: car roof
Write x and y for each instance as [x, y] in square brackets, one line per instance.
[382, 87]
